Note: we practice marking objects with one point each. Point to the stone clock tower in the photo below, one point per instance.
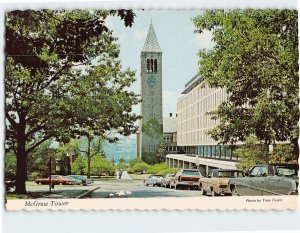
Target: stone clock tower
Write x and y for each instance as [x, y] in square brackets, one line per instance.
[151, 126]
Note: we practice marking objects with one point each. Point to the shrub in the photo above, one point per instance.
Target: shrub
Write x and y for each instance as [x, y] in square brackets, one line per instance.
[156, 168]
[168, 170]
[34, 175]
[140, 167]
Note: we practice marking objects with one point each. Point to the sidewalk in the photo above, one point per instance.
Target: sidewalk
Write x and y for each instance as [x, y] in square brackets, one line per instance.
[59, 191]
[125, 176]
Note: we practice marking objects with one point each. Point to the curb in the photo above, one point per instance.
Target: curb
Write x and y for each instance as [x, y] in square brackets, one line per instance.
[87, 193]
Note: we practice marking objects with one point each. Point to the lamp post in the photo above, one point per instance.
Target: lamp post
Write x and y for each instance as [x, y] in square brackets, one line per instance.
[49, 155]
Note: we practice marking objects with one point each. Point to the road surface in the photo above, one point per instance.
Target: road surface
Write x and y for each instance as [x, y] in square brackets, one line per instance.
[136, 189]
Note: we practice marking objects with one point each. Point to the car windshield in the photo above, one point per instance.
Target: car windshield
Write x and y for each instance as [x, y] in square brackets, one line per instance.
[230, 174]
[190, 172]
[287, 171]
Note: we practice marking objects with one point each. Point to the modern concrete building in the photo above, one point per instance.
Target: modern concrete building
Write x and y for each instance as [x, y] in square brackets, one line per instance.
[193, 123]
[151, 93]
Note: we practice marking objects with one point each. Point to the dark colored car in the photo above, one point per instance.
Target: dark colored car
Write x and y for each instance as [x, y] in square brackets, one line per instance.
[153, 180]
[166, 180]
[84, 180]
[186, 178]
[267, 179]
[55, 179]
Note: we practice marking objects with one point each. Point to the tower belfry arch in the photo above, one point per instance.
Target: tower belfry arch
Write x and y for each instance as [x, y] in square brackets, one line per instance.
[151, 125]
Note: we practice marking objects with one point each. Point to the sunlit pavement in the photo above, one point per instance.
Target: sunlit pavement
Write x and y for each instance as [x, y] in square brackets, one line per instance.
[136, 189]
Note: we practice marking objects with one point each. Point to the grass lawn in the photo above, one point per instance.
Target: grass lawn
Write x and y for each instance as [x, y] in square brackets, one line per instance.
[13, 196]
[139, 176]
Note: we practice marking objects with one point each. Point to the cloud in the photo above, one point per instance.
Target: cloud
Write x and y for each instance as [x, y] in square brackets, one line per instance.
[204, 40]
[140, 34]
[170, 99]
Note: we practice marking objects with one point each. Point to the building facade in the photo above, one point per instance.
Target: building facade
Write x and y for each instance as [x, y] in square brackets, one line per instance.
[193, 124]
[151, 125]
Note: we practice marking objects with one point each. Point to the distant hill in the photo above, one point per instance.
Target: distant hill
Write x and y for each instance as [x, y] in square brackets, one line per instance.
[125, 148]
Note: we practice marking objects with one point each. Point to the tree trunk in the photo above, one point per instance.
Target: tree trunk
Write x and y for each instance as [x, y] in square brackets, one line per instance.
[21, 162]
[295, 147]
[89, 167]
[89, 158]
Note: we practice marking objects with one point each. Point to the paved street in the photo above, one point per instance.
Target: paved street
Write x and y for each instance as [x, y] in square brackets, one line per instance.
[136, 189]
[124, 187]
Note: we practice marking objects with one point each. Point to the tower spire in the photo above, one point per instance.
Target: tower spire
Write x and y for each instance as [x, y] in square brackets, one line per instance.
[151, 43]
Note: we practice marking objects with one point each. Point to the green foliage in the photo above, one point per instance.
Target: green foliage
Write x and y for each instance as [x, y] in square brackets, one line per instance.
[152, 128]
[168, 171]
[156, 168]
[161, 151]
[10, 161]
[37, 160]
[34, 175]
[79, 166]
[100, 165]
[52, 88]
[251, 154]
[132, 162]
[150, 157]
[122, 164]
[140, 167]
[283, 153]
[255, 58]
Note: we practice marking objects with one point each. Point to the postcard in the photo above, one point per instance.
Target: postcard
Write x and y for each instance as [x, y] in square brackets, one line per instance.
[131, 109]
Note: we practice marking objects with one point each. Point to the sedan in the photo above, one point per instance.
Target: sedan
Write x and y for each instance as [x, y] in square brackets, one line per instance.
[153, 180]
[187, 178]
[267, 179]
[83, 179]
[165, 182]
[55, 179]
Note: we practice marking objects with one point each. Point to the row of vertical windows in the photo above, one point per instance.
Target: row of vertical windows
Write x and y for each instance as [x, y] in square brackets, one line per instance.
[219, 151]
[192, 121]
[151, 65]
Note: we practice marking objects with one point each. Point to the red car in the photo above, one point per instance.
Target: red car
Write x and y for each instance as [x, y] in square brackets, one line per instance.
[55, 179]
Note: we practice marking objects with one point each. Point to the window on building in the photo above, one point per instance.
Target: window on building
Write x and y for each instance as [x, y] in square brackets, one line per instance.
[148, 65]
[155, 65]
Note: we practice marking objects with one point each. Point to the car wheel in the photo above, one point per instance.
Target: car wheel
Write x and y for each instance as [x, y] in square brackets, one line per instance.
[234, 191]
[202, 191]
[213, 193]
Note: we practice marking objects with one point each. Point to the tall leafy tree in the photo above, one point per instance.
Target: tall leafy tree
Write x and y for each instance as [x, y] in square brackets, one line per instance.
[45, 53]
[255, 58]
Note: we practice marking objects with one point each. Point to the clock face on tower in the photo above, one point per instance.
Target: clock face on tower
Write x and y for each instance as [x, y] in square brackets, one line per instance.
[151, 81]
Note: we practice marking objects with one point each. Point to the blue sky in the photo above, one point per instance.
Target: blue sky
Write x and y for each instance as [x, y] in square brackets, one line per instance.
[179, 44]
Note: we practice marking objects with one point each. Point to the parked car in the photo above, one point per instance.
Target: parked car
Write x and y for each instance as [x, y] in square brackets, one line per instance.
[187, 178]
[55, 179]
[216, 182]
[83, 179]
[75, 180]
[153, 180]
[165, 182]
[267, 179]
